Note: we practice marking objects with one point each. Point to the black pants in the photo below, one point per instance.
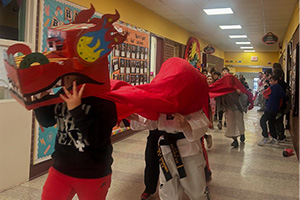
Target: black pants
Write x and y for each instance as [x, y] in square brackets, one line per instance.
[151, 174]
[280, 128]
[271, 119]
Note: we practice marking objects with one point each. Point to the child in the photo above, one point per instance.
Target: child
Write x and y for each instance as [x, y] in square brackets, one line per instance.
[274, 96]
[180, 142]
[83, 150]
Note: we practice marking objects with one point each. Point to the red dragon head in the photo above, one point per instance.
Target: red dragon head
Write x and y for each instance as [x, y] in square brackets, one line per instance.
[78, 48]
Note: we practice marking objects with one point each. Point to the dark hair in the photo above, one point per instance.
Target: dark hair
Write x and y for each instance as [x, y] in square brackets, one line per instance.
[217, 73]
[274, 78]
[204, 70]
[212, 70]
[268, 71]
[225, 68]
[277, 66]
[278, 72]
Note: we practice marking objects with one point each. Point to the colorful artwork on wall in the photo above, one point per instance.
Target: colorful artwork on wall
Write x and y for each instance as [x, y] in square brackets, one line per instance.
[192, 52]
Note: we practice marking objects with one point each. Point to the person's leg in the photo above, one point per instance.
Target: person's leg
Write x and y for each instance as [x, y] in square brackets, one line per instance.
[92, 189]
[263, 124]
[220, 113]
[194, 183]
[271, 124]
[280, 128]
[172, 189]
[151, 173]
[57, 186]
[240, 124]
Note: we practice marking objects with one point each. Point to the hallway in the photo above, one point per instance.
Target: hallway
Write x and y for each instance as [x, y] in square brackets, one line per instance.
[250, 172]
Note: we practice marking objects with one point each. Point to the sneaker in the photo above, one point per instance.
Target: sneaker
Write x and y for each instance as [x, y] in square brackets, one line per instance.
[235, 143]
[242, 138]
[274, 141]
[145, 196]
[209, 141]
[219, 126]
[263, 142]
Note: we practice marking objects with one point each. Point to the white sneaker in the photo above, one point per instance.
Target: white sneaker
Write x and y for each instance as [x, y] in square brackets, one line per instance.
[274, 141]
[209, 141]
[263, 142]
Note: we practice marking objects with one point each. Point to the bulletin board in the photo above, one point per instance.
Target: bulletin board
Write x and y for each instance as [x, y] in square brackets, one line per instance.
[130, 60]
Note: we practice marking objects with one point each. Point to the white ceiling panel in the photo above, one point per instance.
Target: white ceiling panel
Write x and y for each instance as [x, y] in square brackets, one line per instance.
[257, 17]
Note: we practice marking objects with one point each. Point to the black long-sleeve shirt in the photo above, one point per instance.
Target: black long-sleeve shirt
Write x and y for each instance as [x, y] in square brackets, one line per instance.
[83, 146]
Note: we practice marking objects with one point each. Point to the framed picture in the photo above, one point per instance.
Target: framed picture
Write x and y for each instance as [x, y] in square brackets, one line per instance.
[115, 64]
[146, 54]
[133, 51]
[138, 52]
[142, 53]
[132, 66]
[117, 50]
[128, 66]
[145, 66]
[138, 67]
[123, 50]
[127, 79]
[137, 80]
[132, 79]
[122, 66]
[128, 51]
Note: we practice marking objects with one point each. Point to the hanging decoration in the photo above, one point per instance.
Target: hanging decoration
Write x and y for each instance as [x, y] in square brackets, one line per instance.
[209, 49]
[192, 52]
[270, 38]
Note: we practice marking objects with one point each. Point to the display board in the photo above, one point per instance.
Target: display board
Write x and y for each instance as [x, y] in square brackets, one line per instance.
[130, 60]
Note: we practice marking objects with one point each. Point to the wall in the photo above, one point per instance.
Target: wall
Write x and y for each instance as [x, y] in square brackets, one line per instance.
[135, 14]
[264, 59]
[15, 134]
[291, 28]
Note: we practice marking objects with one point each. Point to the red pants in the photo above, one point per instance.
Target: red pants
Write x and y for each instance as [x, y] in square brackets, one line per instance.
[59, 186]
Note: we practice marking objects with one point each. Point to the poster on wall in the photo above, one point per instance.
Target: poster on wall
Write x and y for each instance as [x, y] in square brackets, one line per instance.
[44, 140]
[56, 13]
[192, 53]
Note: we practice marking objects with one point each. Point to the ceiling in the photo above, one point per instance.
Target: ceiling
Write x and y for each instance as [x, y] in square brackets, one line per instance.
[257, 18]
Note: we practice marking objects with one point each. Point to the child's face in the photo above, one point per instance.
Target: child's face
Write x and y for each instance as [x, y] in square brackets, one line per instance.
[209, 80]
[224, 72]
[68, 80]
[273, 82]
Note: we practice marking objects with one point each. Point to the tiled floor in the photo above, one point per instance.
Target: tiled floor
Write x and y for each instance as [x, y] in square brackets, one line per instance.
[250, 172]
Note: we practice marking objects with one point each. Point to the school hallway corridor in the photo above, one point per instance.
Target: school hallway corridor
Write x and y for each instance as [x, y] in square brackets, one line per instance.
[249, 172]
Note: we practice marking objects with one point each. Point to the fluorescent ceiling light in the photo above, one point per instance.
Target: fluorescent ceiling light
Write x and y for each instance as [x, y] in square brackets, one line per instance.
[218, 11]
[249, 50]
[238, 36]
[243, 42]
[230, 26]
[246, 47]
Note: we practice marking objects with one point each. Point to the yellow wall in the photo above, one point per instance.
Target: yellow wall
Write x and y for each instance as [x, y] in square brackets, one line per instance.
[291, 28]
[135, 14]
[264, 59]
[248, 70]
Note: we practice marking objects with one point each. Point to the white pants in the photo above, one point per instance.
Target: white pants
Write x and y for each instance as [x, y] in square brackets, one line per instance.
[193, 184]
[235, 123]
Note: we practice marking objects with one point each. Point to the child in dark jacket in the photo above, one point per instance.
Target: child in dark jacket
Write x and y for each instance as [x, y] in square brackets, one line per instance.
[83, 150]
[274, 96]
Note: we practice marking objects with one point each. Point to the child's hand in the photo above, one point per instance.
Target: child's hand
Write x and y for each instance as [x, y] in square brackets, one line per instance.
[73, 100]
[178, 118]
